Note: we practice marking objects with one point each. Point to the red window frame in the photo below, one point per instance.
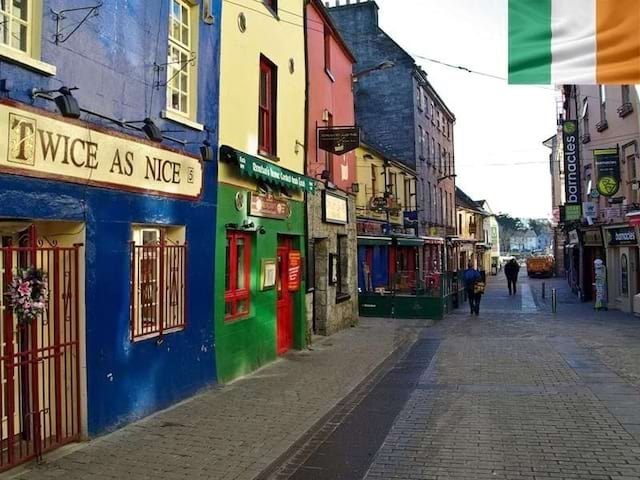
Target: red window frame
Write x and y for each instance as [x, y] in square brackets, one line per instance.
[266, 108]
[234, 296]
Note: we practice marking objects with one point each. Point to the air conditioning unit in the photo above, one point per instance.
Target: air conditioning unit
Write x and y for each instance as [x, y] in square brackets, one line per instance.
[636, 305]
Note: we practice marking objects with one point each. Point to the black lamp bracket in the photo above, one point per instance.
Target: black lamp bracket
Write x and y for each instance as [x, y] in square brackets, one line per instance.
[61, 15]
[160, 67]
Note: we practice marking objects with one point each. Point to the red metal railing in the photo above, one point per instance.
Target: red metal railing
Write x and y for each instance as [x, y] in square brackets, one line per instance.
[40, 361]
[158, 289]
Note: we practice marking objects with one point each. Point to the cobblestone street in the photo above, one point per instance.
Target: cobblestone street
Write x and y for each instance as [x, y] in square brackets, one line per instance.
[516, 393]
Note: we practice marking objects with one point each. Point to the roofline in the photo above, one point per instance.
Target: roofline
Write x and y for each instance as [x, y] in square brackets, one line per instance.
[322, 10]
[423, 76]
[395, 163]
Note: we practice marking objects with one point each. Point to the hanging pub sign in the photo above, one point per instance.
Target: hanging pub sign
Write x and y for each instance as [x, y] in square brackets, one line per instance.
[621, 236]
[571, 162]
[41, 144]
[338, 140]
[608, 168]
[268, 206]
[295, 270]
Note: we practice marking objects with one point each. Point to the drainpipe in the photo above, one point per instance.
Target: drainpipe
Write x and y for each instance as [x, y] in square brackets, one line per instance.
[305, 171]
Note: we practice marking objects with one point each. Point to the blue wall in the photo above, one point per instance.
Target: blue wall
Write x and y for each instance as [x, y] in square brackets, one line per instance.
[110, 58]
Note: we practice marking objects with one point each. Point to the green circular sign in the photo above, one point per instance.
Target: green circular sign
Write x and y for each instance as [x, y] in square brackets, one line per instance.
[569, 127]
[608, 186]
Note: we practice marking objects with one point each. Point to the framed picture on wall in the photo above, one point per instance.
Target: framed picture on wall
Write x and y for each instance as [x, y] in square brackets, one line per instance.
[267, 273]
[333, 269]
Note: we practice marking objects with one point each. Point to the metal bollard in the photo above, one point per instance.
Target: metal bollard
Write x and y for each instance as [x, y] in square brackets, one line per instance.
[554, 301]
[543, 290]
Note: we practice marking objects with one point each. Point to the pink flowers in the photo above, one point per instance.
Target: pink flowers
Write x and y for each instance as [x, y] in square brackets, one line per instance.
[28, 294]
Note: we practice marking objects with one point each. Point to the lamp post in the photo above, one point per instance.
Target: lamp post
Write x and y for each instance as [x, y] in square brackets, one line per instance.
[386, 64]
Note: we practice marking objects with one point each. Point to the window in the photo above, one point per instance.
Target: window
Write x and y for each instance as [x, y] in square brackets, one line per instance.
[393, 187]
[421, 141]
[342, 287]
[419, 98]
[237, 280]
[327, 49]
[585, 118]
[625, 94]
[181, 68]
[429, 202]
[427, 141]
[374, 180]
[433, 153]
[407, 193]
[459, 224]
[603, 103]
[425, 102]
[267, 113]
[432, 108]
[439, 157]
[158, 281]
[328, 156]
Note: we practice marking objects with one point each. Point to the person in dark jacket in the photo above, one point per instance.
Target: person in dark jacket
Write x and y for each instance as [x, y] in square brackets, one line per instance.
[511, 271]
[472, 276]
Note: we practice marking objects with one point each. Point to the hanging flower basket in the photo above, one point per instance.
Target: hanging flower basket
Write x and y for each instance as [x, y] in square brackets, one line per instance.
[28, 294]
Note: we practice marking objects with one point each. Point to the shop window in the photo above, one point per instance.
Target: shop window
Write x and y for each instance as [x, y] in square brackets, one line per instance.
[158, 281]
[181, 61]
[342, 287]
[624, 275]
[237, 283]
[267, 103]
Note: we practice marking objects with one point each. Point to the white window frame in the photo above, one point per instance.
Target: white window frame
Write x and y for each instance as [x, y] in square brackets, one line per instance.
[31, 57]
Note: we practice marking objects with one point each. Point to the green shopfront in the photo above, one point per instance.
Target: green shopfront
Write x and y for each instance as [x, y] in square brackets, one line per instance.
[260, 313]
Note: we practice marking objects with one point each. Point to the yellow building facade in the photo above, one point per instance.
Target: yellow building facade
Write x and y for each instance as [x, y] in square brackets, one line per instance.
[260, 313]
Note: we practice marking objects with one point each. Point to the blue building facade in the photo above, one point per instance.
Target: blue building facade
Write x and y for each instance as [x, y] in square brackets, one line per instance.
[137, 295]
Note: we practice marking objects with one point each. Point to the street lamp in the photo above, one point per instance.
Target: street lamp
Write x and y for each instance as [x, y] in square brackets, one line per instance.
[385, 65]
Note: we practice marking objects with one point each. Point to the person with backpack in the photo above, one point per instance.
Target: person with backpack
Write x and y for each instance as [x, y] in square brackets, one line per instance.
[511, 270]
[474, 286]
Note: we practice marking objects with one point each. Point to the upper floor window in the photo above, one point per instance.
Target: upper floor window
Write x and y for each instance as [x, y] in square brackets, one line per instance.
[626, 98]
[374, 180]
[603, 102]
[425, 102]
[419, 98]
[181, 68]
[267, 110]
[327, 49]
[421, 141]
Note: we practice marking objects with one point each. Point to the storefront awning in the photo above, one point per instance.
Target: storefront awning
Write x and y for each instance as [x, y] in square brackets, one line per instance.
[374, 240]
[262, 170]
[410, 242]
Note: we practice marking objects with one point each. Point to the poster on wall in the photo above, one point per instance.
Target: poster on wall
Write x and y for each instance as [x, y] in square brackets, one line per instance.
[608, 168]
[295, 270]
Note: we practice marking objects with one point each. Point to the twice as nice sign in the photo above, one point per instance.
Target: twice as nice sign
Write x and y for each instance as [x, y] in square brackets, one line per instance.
[41, 145]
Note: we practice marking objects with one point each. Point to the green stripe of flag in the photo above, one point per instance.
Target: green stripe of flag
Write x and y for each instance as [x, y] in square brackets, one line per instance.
[530, 41]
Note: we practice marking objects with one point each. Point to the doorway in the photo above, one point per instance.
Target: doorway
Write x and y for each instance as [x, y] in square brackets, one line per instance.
[284, 297]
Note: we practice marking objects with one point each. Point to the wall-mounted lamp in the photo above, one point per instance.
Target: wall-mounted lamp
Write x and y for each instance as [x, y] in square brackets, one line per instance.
[355, 187]
[385, 65]
[447, 176]
[325, 175]
[150, 129]
[231, 226]
[206, 151]
[66, 102]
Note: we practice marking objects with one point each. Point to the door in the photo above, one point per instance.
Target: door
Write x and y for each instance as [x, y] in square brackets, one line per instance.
[284, 299]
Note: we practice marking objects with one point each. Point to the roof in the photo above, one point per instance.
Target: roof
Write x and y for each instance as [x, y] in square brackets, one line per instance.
[322, 10]
[464, 201]
[395, 163]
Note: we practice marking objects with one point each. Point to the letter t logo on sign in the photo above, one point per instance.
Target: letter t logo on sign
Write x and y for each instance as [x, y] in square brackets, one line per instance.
[22, 140]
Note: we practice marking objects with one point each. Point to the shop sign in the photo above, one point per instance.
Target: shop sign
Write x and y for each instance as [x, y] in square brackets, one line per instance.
[295, 270]
[571, 162]
[369, 228]
[338, 140]
[572, 212]
[592, 238]
[378, 203]
[621, 236]
[268, 206]
[608, 167]
[574, 237]
[334, 208]
[589, 209]
[42, 145]
[611, 213]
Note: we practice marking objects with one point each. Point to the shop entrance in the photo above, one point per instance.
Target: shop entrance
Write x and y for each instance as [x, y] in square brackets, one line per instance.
[285, 298]
[40, 362]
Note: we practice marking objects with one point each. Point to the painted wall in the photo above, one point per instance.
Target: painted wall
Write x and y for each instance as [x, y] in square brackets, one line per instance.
[280, 42]
[328, 91]
[246, 344]
[110, 60]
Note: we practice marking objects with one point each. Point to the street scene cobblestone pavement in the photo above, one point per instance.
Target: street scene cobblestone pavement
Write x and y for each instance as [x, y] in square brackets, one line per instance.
[515, 393]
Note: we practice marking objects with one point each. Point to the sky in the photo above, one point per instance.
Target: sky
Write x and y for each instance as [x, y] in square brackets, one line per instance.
[499, 128]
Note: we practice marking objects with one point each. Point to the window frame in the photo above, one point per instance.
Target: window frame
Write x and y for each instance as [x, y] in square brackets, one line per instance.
[342, 286]
[234, 295]
[267, 146]
[327, 51]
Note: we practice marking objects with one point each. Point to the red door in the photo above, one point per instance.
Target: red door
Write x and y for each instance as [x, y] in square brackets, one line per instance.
[285, 298]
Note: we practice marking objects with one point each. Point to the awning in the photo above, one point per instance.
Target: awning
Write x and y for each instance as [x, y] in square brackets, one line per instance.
[261, 169]
[374, 240]
[410, 242]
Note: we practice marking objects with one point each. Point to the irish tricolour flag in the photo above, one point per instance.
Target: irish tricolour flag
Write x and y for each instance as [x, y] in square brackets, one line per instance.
[574, 41]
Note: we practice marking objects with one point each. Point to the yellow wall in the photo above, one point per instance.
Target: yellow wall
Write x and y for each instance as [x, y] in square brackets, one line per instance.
[366, 188]
[279, 41]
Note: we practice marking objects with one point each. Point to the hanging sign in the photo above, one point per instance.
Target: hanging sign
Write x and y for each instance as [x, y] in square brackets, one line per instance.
[571, 162]
[589, 209]
[295, 270]
[571, 212]
[268, 206]
[41, 144]
[338, 140]
[608, 168]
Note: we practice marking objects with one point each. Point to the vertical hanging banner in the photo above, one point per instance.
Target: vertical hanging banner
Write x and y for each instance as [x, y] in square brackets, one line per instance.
[608, 168]
[571, 162]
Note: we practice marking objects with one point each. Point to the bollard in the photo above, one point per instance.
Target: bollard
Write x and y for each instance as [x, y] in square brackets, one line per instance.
[543, 290]
[554, 301]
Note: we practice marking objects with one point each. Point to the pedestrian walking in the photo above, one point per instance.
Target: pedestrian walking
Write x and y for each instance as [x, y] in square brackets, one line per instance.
[511, 270]
[474, 286]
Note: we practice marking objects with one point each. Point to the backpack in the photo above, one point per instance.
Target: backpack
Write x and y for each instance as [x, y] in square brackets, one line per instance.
[478, 287]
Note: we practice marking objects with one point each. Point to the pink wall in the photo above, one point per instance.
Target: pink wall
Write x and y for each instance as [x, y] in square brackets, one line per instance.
[326, 94]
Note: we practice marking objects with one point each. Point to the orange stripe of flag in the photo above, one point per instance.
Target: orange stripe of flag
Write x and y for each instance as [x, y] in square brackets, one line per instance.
[618, 41]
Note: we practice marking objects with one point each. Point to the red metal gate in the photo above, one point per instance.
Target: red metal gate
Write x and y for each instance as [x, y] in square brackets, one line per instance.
[40, 361]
